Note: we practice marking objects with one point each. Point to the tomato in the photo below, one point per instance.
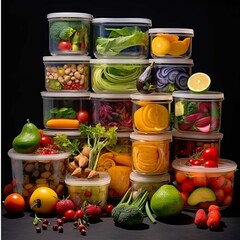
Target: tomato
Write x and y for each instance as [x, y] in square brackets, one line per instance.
[14, 204]
[8, 189]
[65, 46]
[43, 200]
[210, 164]
[45, 141]
[83, 116]
[79, 214]
[108, 209]
[69, 215]
[210, 153]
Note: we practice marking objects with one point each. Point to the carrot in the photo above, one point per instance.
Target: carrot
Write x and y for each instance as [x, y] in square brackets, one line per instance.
[62, 123]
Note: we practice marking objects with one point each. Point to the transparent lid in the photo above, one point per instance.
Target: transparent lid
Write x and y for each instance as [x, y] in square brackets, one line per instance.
[103, 179]
[172, 30]
[224, 165]
[152, 96]
[171, 61]
[66, 58]
[108, 96]
[119, 61]
[149, 178]
[210, 95]
[148, 137]
[65, 94]
[69, 133]
[123, 20]
[69, 15]
[35, 157]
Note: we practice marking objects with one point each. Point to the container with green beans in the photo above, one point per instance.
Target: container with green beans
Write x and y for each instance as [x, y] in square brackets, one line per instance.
[116, 75]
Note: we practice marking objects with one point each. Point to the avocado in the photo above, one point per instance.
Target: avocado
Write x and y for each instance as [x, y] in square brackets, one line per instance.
[201, 194]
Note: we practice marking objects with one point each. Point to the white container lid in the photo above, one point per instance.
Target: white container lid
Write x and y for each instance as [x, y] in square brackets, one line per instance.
[37, 157]
[152, 96]
[172, 30]
[108, 96]
[171, 61]
[123, 20]
[149, 178]
[210, 95]
[148, 137]
[224, 165]
[103, 179]
[69, 15]
[119, 61]
[66, 58]
[69, 133]
[65, 94]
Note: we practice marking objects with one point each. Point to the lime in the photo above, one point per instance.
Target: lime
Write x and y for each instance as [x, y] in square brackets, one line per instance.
[199, 82]
[166, 201]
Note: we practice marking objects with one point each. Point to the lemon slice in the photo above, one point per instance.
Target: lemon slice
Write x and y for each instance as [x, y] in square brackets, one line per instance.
[199, 82]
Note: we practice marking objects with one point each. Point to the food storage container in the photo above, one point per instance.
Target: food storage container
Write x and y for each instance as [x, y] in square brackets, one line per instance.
[30, 171]
[69, 33]
[93, 190]
[151, 112]
[150, 183]
[67, 73]
[151, 153]
[186, 144]
[66, 110]
[116, 75]
[171, 74]
[112, 110]
[201, 186]
[121, 37]
[171, 42]
[194, 112]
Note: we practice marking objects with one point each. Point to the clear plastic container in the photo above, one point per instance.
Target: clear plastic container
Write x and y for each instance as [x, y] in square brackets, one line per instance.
[171, 74]
[151, 153]
[197, 112]
[201, 186]
[151, 112]
[30, 171]
[116, 75]
[112, 110]
[121, 37]
[66, 110]
[67, 73]
[171, 42]
[69, 33]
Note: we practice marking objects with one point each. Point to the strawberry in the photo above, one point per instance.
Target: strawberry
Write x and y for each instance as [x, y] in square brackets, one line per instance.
[93, 211]
[200, 219]
[63, 205]
[213, 220]
[213, 207]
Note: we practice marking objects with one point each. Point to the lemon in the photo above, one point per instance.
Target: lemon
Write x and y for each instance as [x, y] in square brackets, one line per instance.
[199, 82]
[166, 202]
[160, 45]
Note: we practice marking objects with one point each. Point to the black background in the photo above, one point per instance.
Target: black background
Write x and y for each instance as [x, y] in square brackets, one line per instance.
[25, 42]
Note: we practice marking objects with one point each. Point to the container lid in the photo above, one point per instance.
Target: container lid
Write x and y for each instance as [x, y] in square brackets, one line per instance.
[224, 165]
[35, 157]
[197, 135]
[210, 95]
[103, 179]
[123, 134]
[119, 61]
[70, 15]
[69, 133]
[105, 96]
[65, 94]
[123, 20]
[66, 58]
[152, 96]
[148, 137]
[171, 61]
[172, 30]
[149, 178]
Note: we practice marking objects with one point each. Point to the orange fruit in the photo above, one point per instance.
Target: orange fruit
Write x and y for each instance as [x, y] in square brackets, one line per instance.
[178, 48]
[160, 45]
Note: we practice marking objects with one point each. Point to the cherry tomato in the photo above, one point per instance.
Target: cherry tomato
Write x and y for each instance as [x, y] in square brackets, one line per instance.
[108, 209]
[14, 204]
[65, 46]
[45, 141]
[210, 153]
[79, 214]
[69, 215]
[83, 116]
[210, 163]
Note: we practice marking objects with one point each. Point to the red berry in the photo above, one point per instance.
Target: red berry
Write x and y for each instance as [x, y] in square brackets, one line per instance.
[200, 219]
[63, 205]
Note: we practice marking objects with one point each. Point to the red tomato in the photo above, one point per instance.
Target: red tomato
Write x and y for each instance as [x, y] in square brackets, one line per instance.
[45, 141]
[83, 116]
[14, 204]
[79, 214]
[108, 209]
[65, 46]
[69, 215]
[210, 164]
[210, 153]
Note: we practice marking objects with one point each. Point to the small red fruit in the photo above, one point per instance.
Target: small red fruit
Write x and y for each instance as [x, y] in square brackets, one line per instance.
[63, 205]
[93, 211]
[200, 219]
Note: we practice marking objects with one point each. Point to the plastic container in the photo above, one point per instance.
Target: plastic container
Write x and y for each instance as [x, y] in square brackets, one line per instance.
[151, 112]
[67, 73]
[171, 74]
[149, 183]
[66, 110]
[116, 75]
[197, 112]
[121, 37]
[171, 42]
[69, 33]
[205, 186]
[93, 190]
[151, 153]
[112, 110]
[31, 171]
[186, 144]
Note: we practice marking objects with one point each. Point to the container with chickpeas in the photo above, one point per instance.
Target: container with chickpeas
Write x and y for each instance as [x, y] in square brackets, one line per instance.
[66, 73]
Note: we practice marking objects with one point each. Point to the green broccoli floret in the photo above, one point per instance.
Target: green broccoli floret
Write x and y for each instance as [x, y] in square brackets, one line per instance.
[66, 33]
[56, 28]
